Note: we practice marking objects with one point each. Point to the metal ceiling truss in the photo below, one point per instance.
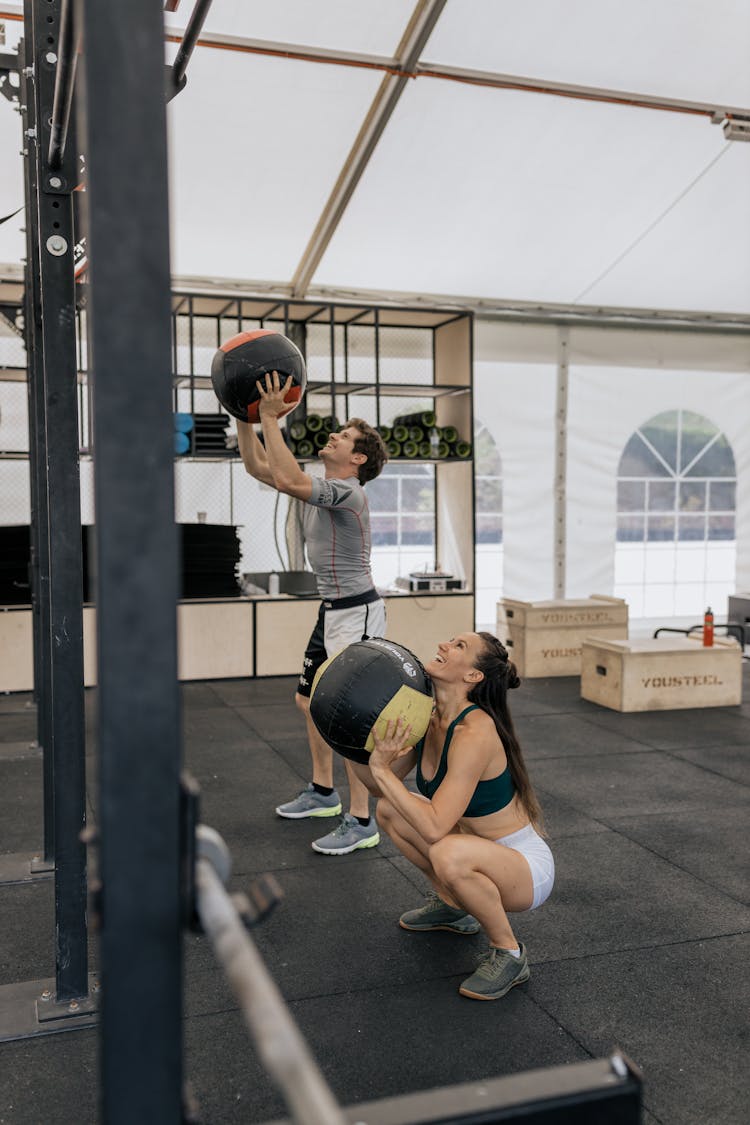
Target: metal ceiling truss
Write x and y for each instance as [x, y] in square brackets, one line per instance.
[420, 27]
[717, 111]
[398, 70]
[528, 312]
[519, 312]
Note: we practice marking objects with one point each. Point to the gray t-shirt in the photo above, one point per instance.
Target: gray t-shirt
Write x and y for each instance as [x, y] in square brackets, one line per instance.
[336, 523]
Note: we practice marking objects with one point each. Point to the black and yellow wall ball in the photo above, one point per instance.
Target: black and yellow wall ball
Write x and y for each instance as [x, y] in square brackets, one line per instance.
[367, 683]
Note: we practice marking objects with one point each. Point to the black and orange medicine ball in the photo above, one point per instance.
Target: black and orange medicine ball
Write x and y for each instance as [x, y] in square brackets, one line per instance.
[363, 686]
[241, 362]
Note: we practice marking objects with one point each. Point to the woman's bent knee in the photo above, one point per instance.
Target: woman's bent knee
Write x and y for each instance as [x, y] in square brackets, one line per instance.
[448, 857]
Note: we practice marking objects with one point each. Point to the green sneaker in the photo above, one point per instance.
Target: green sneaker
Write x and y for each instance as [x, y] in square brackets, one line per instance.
[348, 837]
[496, 974]
[310, 803]
[437, 915]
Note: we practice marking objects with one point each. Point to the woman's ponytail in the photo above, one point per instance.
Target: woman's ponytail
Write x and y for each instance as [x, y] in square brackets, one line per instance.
[491, 695]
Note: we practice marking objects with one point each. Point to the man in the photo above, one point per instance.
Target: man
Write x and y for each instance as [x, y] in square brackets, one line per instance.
[336, 525]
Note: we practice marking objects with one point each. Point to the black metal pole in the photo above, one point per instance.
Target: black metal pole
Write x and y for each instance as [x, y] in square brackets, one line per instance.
[38, 530]
[189, 39]
[68, 727]
[65, 76]
[123, 114]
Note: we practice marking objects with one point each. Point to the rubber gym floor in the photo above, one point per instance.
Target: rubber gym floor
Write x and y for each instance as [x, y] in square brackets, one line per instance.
[642, 946]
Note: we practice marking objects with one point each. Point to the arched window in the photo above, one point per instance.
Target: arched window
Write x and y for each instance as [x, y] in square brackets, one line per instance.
[676, 518]
[488, 490]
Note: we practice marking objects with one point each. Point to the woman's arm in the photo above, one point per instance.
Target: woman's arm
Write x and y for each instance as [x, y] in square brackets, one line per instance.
[467, 759]
[401, 767]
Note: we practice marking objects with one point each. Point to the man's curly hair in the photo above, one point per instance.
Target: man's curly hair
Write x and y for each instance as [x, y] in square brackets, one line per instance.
[372, 445]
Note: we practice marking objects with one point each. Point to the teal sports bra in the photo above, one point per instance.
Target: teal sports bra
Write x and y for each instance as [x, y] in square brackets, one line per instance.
[488, 797]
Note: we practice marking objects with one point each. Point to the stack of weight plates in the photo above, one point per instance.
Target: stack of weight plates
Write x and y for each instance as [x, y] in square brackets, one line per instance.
[211, 435]
[210, 560]
[14, 565]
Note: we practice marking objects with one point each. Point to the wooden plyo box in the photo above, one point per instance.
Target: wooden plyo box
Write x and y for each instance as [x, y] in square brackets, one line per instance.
[664, 674]
[545, 638]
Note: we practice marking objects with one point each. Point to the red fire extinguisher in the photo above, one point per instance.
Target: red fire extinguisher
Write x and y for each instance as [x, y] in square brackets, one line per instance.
[708, 628]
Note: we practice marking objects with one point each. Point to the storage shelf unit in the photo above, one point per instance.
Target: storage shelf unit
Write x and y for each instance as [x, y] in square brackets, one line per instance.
[394, 390]
[351, 350]
[362, 361]
[374, 362]
[321, 386]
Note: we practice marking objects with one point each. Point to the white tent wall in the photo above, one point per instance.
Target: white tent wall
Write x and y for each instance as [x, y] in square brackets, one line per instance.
[617, 381]
[514, 397]
[601, 419]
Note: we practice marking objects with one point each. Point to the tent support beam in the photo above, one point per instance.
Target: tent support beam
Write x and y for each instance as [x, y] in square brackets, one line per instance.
[420, 27]
[561, 461]
[520, 312]
[495, 79]
[488, 308]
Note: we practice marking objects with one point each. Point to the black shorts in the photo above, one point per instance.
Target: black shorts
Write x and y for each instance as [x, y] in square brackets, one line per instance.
[351, 619]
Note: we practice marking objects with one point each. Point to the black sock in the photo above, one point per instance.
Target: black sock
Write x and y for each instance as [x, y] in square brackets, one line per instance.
[364, 821]
[324, 790]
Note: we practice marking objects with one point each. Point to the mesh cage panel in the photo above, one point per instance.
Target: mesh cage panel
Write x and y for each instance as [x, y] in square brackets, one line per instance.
[361, 353]
[14, 417]
[87, 491]
[203, 492]
[14, 420]
[15, 488]
[325, 352]
[12, 350]
[231, 323]
[405, 355]
[205, 339]
[260, 515]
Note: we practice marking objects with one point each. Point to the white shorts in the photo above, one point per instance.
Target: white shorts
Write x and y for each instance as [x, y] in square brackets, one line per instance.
[537, 854]
[342, 627]
[335, 628]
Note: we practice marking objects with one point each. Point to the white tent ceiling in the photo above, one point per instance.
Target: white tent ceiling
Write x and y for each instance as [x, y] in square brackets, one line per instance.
[477, 191]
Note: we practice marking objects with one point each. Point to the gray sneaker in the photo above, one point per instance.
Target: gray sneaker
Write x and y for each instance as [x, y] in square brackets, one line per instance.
[349, 836]
[495, 975]
[311, 803]
[437, 915]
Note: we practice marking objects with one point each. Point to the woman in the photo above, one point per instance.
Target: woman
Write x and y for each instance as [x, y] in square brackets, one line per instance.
[475, 829]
